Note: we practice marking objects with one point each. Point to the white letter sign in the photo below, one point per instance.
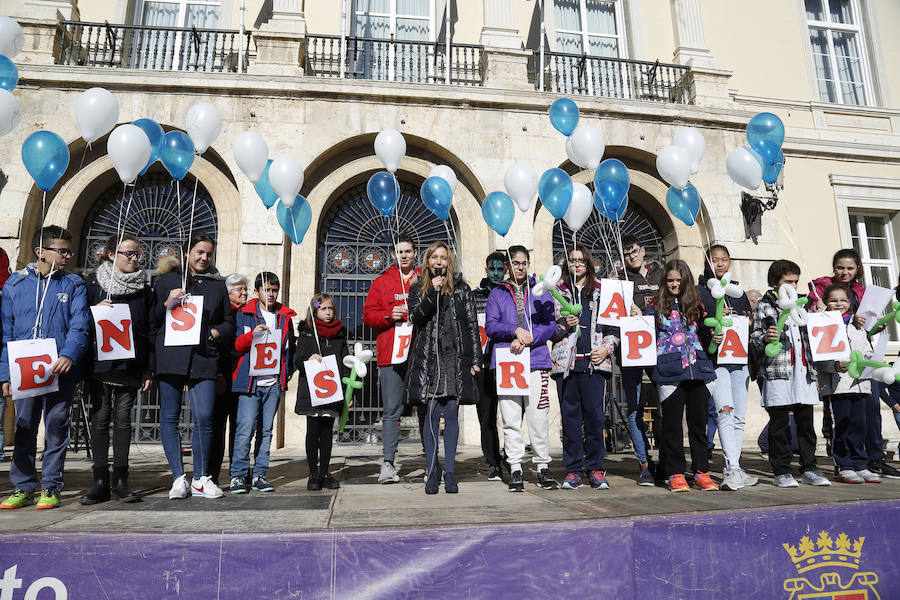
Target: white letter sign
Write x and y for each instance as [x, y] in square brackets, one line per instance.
[265, 353]
[29, 367]
[403, 333]
[323, 380]
[828, 336]
[113, 332]
[184, 321]
[513, 372]
[638, 339]
[482, 333]
[616, 298]
[735, 341]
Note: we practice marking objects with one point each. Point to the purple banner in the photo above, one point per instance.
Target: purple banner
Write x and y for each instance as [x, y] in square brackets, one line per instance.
[844, 551]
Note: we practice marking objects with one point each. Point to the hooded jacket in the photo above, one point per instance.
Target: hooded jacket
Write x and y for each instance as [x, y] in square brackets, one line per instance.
[423, 357]
[306, 347]
[680, 352]
[65, 315]
[139, 303]
[245, 321]
[502, 320]
[387, 291]
[202, 360]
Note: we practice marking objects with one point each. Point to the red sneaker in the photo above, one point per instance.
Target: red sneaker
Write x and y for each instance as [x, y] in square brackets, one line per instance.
[678, 484]
[705, 482]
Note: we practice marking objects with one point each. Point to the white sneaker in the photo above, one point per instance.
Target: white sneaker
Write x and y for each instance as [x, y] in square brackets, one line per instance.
[785, 481]
[732, 481]
[814, 477]
[206, 488]
[748, 480]
[388, 473]
[850, 476]
[869, 477]
[179, 489]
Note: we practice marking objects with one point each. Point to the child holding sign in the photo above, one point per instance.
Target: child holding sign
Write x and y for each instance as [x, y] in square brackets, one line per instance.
[683, 375]
[788, 381]
[261, 373]
[43, 309]
[847, 396]
[320, 335]
[120, 299]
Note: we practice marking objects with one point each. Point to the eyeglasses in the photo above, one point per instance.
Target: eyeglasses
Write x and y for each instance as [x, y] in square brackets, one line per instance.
[577, 261]
[64, 252]
[519, 264]
[130, 254]
[633, 252]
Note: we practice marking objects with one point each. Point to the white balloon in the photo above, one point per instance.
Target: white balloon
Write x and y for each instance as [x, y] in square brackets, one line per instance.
[203, 125]
[129, 149]
[9, 112]
[288, 202]
[580, 207]
[588, 145]
[251, 153]
[12, 38]
[390, 148]
[445, 173]
[573, 156]
[744, 168]
[674, 166]
[286, 178]
[96, 113]
[691, 140]
[521, 183]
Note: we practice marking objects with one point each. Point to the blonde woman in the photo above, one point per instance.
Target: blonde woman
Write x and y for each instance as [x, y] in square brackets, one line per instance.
[445, 357]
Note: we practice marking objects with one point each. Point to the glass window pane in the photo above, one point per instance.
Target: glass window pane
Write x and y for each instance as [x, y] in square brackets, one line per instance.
[881, 276]
[414, 8]
[373, 6]
[160, 14]
[603, 46]
[202, 16]
[876, 227]
[849, 67]
[567, 14]
[824, 75]
[373, 27]
[814, 10]
[601, 17]
[568, 43]
[840, 11]
[412, 29]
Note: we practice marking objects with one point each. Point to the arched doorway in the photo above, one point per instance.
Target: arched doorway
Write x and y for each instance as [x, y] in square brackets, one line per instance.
[354, 248]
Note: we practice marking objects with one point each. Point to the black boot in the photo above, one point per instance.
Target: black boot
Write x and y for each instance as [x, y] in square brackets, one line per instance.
[315, 481]
[100, 491]
[120, 486]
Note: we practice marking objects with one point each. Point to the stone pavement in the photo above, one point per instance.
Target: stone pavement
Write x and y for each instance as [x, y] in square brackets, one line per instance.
[362, 503]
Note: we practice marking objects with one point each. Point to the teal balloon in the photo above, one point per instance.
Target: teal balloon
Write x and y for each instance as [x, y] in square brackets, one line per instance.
[765, 126]
[498, 212]
[46, 158]
[156, 135]
[177, 154]
[9, 75]
[620, 213]
[684, 204]
[295, 220]
[564, 116]
[771, 171]
[437, 195]
[555, 191]
[383, 193]
[264, 189]
[612, 169]
[608, 196]
[768, 151]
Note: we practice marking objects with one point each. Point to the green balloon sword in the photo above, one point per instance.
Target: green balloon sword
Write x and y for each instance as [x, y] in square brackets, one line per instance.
[356, 362]
[719, 288]
[791, 305]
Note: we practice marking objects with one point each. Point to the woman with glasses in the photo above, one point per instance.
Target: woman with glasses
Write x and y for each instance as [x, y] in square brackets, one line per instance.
[113, 384]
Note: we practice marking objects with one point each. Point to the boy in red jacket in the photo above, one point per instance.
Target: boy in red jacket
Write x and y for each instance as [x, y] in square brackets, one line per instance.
[386, 311]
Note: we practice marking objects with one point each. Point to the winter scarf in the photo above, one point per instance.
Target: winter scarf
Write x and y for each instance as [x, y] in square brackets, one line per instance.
[328, 330]
[117, 283]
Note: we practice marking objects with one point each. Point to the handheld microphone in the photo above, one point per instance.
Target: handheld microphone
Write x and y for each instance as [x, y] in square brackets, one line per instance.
[438, 272]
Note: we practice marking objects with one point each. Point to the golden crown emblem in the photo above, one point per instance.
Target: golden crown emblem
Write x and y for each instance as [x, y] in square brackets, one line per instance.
[825, 552]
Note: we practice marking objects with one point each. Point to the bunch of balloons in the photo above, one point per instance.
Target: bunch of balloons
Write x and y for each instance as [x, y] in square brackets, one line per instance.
[11, 41]
[763, 159]
[382, 188]
[585, 145]
[611, 183]
[675, 164]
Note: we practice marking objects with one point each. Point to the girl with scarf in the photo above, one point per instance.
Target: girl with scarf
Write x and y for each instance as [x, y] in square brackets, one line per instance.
[320, 335]
[113, 384]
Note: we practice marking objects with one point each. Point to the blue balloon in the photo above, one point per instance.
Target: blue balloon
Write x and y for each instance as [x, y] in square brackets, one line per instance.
[684, 204]
[296, 219]
[437, 195]
[498, 211]
[264, 189]
[177, 154]
[156, 135]
[609, 194]
[620, 213]
[9, 75]
[767, 150]
[46, 157]
[612, 169]
[771, 171]
[765, 126]
[383, 192]
[564, 117]
[555, 191]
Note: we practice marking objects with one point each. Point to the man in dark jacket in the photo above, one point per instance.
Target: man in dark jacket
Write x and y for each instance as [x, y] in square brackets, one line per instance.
[60, 315]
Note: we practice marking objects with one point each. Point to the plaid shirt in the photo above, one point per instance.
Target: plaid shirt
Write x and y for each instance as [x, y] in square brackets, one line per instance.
[764, 316]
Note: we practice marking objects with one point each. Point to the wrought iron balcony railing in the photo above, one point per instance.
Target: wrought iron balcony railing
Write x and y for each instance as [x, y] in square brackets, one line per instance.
[392, 60]
[148, 47]
[612, 77]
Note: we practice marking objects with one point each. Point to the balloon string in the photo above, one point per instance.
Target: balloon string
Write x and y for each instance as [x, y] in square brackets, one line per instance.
[83, 154]
[191, 230]
[793, 241]
[38, 320]
[120, 231]
[455, 237]
[618, 233]
[40, 251]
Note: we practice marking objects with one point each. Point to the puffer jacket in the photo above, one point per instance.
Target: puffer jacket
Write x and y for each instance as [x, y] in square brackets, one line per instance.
[831, 382]
[502, 320]
[306, 347]
[764, 316]
[562, 353]
[423, 358]
[65, 315]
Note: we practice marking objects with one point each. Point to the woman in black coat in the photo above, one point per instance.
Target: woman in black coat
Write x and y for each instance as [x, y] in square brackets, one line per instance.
[113, 384]
[320, 335]
[193, 366]
[445, 357]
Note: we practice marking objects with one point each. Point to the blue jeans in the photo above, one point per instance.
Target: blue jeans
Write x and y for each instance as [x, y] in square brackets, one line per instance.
[55, 410]
[202, 396]
[255, 412]
[730, 389]
[631, 385]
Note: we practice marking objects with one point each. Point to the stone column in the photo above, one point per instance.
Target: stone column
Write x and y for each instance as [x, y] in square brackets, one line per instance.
[709, 79]
[504, 63]
[281, 41]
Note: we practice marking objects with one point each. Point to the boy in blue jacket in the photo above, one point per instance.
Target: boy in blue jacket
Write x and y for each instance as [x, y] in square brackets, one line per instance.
[61, 313]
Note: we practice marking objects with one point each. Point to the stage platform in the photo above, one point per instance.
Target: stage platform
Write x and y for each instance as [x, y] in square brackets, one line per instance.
[367, 540]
